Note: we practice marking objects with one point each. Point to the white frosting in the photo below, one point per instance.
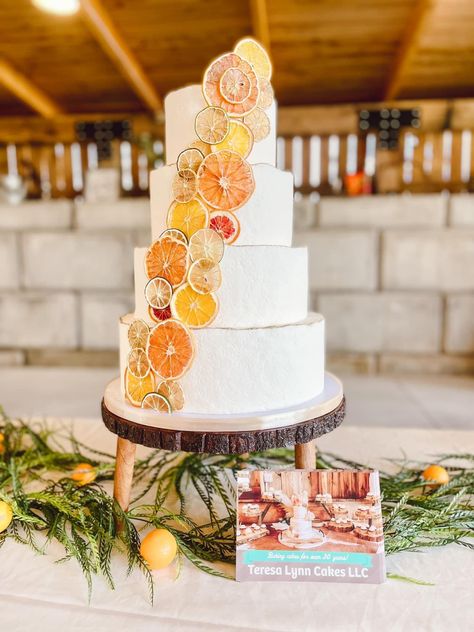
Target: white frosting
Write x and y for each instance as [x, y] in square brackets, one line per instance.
[181, 107]
[267, 218]
[250, 370]
[261, 286]
[301, 528]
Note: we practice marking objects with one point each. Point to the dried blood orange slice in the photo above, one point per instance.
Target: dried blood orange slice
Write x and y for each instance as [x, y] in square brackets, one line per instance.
[156, 401]
[193, 309]
[205, 276]
[225, 180]
[173, 393]
[138, 334]
[234, 85]
[184, 185]
[226, 225]
[167, 258]
[213, 83]
[188, 217]
[203, 147]
[239, 139]
[206, 244]
[158, 315]
[265, 98]
[175, 233]
[255, 54]
[158, 292]
[259, 123]
[212, 125]
[170, 349]
[190, 159]
[138, 363]
[136, 388]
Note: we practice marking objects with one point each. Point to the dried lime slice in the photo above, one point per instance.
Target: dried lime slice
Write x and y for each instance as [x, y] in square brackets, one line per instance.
[190, 159]
[158, 292]
[184, 185]
[173, 393]
[212, 125]
[138, 363]
[206, 244]
[174, 233]
[205, 276]
[156, 401]
[138, 334]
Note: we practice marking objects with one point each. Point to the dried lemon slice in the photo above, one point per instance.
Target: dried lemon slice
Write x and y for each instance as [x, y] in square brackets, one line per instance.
[184, 185]
[226, 225]
[255, 54]
[138, 334]
[234, 85]
[188, 217]
[225, 180]
[190, 159]
[173, 393]
[239, 139]
[170, 349]
[158, 292]
[205, 276]
[206, 244]
[136, 388]
[212, 125]
[138, 363]
[215, 80]
[175, 233]
[265, 98]
[156, 401]
[194, 309]
[259, 123]
[167, 258]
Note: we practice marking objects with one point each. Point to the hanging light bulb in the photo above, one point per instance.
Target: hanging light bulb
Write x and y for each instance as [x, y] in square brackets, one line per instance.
[60, 7]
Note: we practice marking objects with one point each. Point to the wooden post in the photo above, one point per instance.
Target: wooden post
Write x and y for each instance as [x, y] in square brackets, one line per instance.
[305, 456]
[124, 464]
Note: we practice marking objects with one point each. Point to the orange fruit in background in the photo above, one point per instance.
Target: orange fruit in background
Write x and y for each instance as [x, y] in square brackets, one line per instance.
[194, 309]
[188, 217]
[6, 515]
[156, 401]
[436, 474]
[167, 258]
[226, 225]
[170, 349]
[217, 73]
[158, 548]
[239, 139]
[211, 125]
[173, 393]
[256, 55]
[136, 388]
[225, 180]
[83, 474]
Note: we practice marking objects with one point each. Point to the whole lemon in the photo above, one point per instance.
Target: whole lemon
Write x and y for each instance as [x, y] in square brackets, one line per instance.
[436, 474]
[6, 515]
[83, 474]
[158, 548]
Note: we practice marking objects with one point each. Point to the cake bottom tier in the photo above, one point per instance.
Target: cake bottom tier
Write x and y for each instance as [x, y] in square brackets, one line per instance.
[249, 370]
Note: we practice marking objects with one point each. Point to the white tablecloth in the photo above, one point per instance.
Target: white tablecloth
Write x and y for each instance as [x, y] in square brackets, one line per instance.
[35, 594]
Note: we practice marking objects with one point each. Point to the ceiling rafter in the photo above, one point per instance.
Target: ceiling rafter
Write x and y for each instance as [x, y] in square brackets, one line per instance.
[261, 30]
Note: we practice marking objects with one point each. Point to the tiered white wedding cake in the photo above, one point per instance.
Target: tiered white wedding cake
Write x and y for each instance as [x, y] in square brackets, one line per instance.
[250, 345]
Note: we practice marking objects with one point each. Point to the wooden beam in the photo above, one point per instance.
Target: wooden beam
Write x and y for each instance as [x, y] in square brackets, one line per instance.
[258, 9]
[407, 48]
[115, 46]
[27, 91]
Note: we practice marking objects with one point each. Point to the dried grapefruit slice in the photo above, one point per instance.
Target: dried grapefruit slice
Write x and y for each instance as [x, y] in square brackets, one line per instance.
[156, 401]
[206, 244]
[170, 349]
[239, 139]
[190, 159]
[174, 233]
[225, 180]
[255, 54]
[184, 185]
[213, 84]
[234, 85]
[212, 125]
[138, 334]
[259, 123]
[173, 393]
[158, 315]
[193, 309]
[136, 388]
[167, 258]
[158, 292]
[138, 363]
[188, 217]
[205, 276]
[265, 98]
[226, 225]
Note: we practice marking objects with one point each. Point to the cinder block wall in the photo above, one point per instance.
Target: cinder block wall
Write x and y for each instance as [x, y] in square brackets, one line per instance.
[394, 276]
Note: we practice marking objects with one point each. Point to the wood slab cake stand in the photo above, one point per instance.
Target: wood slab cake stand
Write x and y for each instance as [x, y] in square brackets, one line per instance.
[298, 427]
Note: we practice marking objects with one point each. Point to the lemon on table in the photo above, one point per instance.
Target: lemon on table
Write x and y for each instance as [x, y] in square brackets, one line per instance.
[6, 515]
[436, 474]
[83, 474]
[158, 549]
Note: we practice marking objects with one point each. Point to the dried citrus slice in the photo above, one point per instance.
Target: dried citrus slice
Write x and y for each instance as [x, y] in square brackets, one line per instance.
[205, 276]
[158, 315]
[184, 185]
[167, 258]
[170, 349]
[190, 159]
[188, 217]
[215, 79]
[136, 388]
[193, 309]
[156, 401]
[138, 363]
[174, 233]
[255, 54]
[226, 225]
[173, 393]
[203, 147]
[206, 244]
[138, 334]
[259, 123]
[212, 125]
[225, 180]
[158, 292]
[239, 139]
[265, 98]
[234, 85]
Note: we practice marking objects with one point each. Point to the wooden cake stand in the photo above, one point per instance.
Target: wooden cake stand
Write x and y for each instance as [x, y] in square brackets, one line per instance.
[297, 426]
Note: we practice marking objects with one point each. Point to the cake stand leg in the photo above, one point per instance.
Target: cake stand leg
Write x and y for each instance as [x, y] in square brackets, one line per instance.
[305, 455]
[124, 464]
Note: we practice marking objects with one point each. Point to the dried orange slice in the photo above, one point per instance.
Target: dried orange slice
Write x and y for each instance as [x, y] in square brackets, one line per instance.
[190, 159]
[158, 315]
[136, 388]
[239, 139]
[226, 225]
[215, 79]
[173, 393]
[212, 125]
[225, 180]
[188, 217]
[167, 258]
[158, 292]
[206, 244]
[138, 363]
[174, 233]
[193, 309]
[259, 123]
[184, 185]
[265, 98]
[170, 349]
[156, 401]
[205, 276]
[203, 147]
[255, 54]
[138, 334]
[234, 85]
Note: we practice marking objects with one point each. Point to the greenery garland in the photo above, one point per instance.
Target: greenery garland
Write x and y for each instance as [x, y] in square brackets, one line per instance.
[35, 480]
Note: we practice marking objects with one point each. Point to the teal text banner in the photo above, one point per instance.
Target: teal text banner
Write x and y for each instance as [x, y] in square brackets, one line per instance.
[309, 557]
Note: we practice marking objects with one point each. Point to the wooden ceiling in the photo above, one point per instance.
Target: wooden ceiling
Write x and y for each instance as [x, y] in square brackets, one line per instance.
[323, 51]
